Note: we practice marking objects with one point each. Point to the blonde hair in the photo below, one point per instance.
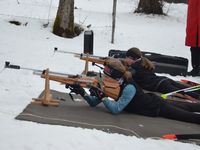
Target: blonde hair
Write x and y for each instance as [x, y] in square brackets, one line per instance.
[117, 65]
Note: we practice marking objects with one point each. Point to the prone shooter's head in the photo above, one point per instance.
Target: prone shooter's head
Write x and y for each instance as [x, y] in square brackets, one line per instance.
[135, 55]
[115, 69]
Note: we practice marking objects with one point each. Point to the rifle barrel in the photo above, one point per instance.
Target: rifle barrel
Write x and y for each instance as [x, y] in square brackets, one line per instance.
[76, 54]
[10, 66]
[37, 71]
[40, 72]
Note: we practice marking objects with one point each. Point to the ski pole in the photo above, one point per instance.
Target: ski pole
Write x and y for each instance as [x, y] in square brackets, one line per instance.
[193, 89]
[189, 89]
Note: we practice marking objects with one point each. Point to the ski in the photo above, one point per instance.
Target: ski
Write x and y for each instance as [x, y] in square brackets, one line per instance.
[181, 136]
[182, 100]
[188, 82]
[185, 90]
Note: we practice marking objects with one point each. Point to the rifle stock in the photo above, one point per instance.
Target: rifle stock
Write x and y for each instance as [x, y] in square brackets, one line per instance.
[100, 60]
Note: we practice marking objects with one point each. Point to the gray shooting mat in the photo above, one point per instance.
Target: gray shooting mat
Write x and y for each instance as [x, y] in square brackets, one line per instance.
[80, 114]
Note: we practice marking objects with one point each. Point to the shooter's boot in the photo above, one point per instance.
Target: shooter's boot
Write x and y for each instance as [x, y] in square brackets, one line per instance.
[195, 59]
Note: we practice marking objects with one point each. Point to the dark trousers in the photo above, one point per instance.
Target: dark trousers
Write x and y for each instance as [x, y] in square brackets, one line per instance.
[169, 85]
[181, 111]
[195, 57]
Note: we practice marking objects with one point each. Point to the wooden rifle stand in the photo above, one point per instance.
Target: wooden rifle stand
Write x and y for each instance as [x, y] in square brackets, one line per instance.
[86, 66]
[46, 99]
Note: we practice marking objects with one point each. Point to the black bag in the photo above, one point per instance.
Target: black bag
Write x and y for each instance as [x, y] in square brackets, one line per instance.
[172, 65]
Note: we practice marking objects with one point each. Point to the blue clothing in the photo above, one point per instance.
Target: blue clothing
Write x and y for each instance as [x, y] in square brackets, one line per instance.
[92, 100]
[113, 106]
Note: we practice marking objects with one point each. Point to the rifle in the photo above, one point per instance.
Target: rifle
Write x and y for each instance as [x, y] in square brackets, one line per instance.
[86, 57]
[107, 85]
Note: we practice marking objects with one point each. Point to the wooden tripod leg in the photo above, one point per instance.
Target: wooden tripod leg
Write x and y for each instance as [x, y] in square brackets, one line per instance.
[47, 98]
[86, 66]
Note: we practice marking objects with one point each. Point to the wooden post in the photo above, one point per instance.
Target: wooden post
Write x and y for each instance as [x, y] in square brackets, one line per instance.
[113, 20]
[47, 98]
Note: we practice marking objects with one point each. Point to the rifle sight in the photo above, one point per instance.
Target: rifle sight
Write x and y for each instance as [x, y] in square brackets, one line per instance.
[8, 65]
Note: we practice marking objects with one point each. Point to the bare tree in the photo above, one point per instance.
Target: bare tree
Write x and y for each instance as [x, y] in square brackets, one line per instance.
[64, 25]
[150, 7]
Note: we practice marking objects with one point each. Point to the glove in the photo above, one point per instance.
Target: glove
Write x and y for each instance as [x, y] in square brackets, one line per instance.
[77, 89]
[96, 92]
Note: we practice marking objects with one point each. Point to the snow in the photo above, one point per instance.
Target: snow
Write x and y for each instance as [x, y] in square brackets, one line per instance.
[31, 45]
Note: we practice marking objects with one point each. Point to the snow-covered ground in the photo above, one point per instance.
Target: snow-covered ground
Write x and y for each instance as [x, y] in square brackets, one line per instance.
[31, 45]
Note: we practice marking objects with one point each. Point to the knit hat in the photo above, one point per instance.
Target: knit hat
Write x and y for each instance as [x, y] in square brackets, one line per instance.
[134, 53]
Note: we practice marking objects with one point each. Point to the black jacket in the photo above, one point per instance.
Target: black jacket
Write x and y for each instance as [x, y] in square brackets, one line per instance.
[147, 104]
[146, 78]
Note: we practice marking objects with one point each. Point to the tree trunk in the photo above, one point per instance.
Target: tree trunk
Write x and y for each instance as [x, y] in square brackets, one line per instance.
[64, 22]
[150, 7]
